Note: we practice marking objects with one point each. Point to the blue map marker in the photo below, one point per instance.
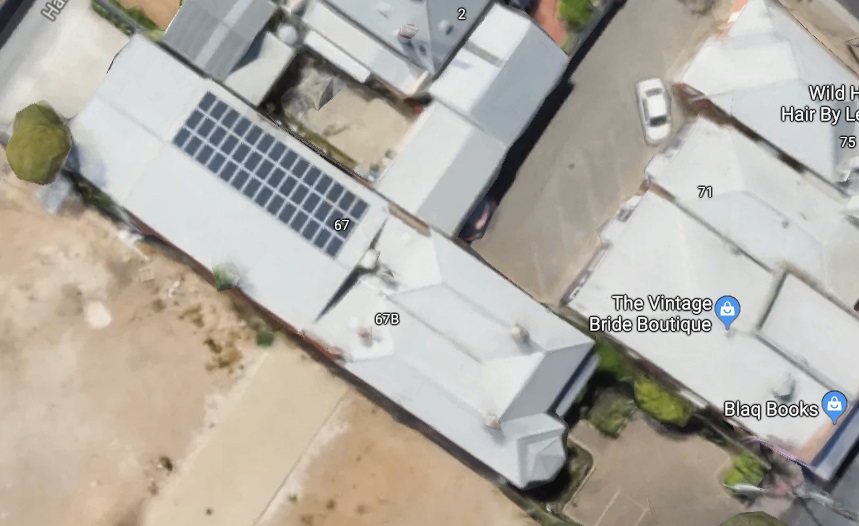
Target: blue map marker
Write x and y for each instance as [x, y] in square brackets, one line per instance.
[834, 404]
[727, 309]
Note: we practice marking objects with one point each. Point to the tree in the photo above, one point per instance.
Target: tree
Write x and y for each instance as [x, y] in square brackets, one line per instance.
[40, 144]
[661, 404]
[753, 518]
[576, 13]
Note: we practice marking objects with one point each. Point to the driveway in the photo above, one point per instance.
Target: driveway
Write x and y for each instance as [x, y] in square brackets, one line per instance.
[61, 61]
[592, 155]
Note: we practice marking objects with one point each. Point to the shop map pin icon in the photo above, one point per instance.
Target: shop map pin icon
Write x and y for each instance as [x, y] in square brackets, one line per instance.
[834, 404]
[727, 309]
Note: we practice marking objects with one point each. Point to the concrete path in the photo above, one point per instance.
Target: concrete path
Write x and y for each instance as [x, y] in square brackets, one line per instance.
[275, 415]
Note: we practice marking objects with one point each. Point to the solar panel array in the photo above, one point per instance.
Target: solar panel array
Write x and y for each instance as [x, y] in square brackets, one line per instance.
[276, 177]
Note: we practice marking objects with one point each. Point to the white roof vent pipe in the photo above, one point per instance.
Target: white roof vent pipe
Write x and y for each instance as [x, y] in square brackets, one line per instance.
[520, 334]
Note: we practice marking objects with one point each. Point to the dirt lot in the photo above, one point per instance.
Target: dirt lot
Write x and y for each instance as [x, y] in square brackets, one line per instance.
[366, 469]
[106, 365]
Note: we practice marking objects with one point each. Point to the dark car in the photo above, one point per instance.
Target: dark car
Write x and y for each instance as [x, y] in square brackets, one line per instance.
[522, 5]
[478, 221]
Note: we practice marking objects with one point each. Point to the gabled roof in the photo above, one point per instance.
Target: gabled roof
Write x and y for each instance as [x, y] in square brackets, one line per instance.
[779, 216]
[453, 359]
[440, 28]
[214, 35]
[765, 61]
[502, 75]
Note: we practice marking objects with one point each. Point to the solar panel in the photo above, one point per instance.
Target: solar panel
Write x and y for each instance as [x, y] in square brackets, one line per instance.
[278, 179]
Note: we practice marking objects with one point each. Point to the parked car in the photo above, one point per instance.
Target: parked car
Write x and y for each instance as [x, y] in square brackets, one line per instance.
[654, 108]
[478, 221]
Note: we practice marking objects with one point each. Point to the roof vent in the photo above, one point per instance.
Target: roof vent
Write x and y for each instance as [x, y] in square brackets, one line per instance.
[445, 27]
[520, 334]
[492, 421]
[785, 390]
[407, 32]
[366, 335]
[387, 276]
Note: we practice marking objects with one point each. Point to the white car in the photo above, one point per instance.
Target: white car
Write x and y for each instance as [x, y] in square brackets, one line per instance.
[654, 108]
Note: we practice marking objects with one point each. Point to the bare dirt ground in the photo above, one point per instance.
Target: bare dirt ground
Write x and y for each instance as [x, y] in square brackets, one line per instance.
[107, 371]
[366, 469]
[159, 11]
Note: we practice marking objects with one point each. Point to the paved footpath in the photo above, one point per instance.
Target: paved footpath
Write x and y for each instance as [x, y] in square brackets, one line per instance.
[275, 415]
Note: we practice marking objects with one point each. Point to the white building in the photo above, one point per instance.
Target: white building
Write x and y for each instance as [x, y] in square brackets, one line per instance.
[789, 344]
[781, 217]
[469, 354]
[766, 61]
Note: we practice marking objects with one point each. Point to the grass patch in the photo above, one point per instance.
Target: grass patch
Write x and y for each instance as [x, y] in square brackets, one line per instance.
[576, 13]
[611, 412]
[662, 404]
[745, 469]
[137, 16]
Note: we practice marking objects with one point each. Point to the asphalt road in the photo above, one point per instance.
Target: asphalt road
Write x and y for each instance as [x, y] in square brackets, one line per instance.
[591, 156]
[845, 491]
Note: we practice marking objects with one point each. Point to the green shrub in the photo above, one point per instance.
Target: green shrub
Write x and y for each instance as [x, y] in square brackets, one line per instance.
[225, 279]
[611, 412]
[661, 404]
[612, 362]
[137, 15]
[265, 337]
[576, 13]
[39, 145]
[745, 469]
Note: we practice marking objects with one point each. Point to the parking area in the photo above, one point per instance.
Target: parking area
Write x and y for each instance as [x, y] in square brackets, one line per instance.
[635, 480]
[591, 156]
[61, 61]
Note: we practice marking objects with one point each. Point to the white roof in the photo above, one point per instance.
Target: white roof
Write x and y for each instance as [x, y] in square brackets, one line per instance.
[659, 249]
[765, 61]
[144, 101]
[452, 360]
[779, 216]
[440, 28]
[822, 349]
[445, 163]
[331, 31]
[503, 73]
[257, 72]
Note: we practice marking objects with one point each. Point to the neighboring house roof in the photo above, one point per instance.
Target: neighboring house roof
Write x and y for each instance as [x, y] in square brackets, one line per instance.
[502, 74]
[779, 216]
[453, 359]
[440, 28]
[354, 51]
[659, 249]
[442, 167]
[159, 139]
[214, 35]
[765, 61]
[260, 68]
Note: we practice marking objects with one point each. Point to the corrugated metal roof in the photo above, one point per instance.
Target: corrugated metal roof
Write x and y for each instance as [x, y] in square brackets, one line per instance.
[214, 35]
